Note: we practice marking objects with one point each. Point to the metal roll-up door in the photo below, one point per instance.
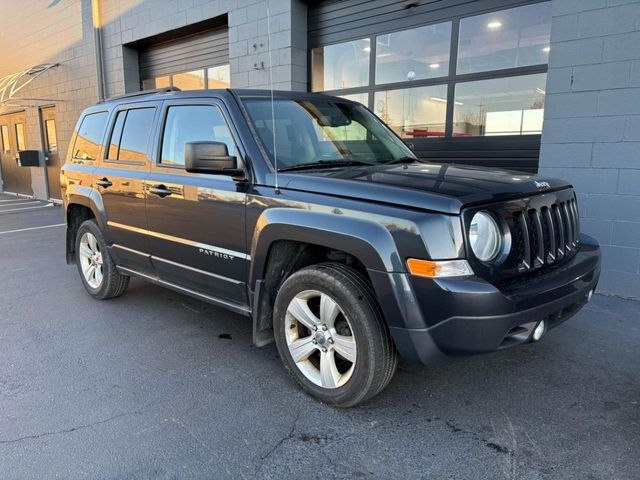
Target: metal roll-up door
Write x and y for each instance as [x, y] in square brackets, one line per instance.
[205, 49]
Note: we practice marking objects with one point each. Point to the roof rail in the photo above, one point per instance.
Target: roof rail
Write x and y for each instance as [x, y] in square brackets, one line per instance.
[153, 91]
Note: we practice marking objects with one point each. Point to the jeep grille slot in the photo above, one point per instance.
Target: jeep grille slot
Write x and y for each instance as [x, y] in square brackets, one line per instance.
[546, 234]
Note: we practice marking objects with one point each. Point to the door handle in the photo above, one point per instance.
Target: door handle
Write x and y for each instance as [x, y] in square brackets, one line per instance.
[160, 190]
[104, 182]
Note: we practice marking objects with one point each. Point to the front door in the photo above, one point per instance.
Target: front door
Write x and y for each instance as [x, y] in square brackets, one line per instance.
[51, 152]
[13, 138]
[197, 221]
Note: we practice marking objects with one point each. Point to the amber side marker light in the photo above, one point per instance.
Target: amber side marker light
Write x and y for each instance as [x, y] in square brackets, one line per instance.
[439, 269]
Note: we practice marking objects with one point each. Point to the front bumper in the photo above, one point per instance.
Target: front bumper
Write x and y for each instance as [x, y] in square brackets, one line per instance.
[435, 321]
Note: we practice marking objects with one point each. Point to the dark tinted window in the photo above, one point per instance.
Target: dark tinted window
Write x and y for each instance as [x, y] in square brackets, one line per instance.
[193, 123]
[135, 135]
[116, 133]
[90, 135]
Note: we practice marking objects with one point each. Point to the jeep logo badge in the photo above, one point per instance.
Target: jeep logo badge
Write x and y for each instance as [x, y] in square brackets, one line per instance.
[542, 185]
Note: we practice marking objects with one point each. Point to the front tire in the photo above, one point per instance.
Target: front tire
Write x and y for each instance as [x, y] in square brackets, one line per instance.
[331, 335]
[96, 267]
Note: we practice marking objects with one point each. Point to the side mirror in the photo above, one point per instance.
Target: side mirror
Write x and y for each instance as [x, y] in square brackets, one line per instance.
[210, 157]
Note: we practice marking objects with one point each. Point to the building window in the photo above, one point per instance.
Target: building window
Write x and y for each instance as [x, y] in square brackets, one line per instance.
[345, 65]
[211, 77]
[500, 106]
[414, 112]
[413, 54]
[20, 136]
[6, 148]
[512, 38]
[481, 75]
[52, 137]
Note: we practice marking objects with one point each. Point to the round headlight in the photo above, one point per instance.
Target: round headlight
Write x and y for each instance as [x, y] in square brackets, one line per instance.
[485, 237]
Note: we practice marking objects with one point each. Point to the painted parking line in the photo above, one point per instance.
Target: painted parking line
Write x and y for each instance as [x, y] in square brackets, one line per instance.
[33, 228]
[25, 208]
[14, 200]
[20, 203]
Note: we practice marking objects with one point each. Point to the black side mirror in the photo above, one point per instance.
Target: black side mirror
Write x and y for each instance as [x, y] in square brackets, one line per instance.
[210, 157]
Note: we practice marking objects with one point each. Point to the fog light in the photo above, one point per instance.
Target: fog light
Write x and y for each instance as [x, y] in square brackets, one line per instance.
[539, 331]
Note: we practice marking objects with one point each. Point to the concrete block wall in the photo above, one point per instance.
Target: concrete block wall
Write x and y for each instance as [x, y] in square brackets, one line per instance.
[591, 133]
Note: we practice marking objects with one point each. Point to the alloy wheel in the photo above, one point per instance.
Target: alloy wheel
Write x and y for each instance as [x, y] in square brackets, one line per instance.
[91, 260]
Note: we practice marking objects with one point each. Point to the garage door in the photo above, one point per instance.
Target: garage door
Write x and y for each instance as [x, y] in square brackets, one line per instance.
[196, 61]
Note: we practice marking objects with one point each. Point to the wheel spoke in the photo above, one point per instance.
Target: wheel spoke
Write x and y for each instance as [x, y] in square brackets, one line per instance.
[329, 375]
[329, 310]
[301, 348]
[85, 250]
[345, 346]
[90, 273]
[300, 311]
[93, 245]
[98, 274]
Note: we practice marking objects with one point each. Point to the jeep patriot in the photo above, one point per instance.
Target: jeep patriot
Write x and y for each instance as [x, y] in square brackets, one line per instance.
[310, 216]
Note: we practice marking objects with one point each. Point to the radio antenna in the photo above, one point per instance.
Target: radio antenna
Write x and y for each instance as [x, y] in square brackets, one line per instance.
[273, 108]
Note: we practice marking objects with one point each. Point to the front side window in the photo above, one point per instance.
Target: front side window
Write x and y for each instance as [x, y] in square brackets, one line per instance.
[316, 132]
[344, 65]
[90, 134]
[511, 38]
[192, 123]
[414, 112]
[500, 106]
[4, 130]
[130, 136]
[414, 54]
[20, 136]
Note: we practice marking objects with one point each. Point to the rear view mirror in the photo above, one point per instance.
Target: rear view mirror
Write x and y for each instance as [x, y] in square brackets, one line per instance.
[212, 158]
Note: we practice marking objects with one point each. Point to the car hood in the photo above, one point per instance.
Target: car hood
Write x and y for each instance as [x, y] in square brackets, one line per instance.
[438, 187]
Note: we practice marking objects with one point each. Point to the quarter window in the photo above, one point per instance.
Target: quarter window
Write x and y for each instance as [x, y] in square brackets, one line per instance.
[90, 134]
[192, 123]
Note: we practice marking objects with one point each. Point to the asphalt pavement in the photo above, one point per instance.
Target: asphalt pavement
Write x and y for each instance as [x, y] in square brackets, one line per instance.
[158, 385]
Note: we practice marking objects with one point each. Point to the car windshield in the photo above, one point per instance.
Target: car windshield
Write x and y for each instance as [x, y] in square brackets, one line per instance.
[316, 133]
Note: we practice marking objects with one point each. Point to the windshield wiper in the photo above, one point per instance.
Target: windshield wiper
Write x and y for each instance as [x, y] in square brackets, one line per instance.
[401, 160]
[325, 164]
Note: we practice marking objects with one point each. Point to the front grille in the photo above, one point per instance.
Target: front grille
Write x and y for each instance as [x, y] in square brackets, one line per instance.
[545, 235]
[544, 231]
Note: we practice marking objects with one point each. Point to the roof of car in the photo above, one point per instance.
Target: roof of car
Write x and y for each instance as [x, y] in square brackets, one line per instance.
[172, 92]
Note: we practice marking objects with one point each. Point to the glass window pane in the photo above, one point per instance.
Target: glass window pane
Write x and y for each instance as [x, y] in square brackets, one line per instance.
[6, 148]
[500, 106]
[505, 39]
[135, 135]
[116, 134]
[219, 77]
[340, 66]
[158, 82]
[362, 98]
[52, 138]
[193, 123]
[189, 80]
[20, 136]
[413, 54]
[90, 135]
[414, 112]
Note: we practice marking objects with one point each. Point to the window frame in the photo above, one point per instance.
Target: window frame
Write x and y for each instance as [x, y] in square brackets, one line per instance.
[111, 125]
[450, 80]
[214, 102]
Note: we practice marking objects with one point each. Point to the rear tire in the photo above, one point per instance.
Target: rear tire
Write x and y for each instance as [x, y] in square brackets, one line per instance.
[331, 335]
[98, 272]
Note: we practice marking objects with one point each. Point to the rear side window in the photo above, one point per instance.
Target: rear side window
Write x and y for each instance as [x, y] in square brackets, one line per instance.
[130, 135]
[90, 134]
[193, 123]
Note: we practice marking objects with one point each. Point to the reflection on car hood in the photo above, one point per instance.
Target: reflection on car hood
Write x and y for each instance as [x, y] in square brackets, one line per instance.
[431, 186]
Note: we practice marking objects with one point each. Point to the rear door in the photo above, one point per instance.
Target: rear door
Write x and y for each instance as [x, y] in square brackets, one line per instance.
[120, 181]
[197, 221]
